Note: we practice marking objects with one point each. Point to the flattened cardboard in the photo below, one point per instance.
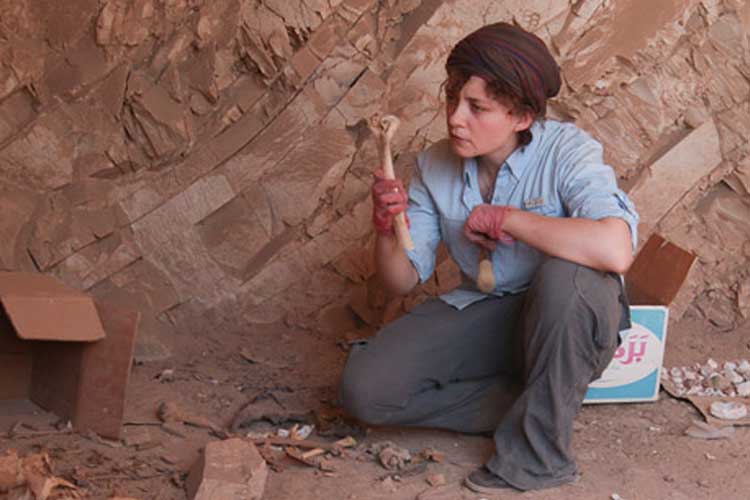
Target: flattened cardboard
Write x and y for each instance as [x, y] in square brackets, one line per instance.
[703, 405]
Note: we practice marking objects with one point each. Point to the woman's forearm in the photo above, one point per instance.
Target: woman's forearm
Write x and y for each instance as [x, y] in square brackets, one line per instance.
[600, 244]
[394, 268]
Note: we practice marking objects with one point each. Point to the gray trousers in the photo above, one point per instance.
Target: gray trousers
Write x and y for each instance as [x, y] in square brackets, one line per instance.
[518, 365]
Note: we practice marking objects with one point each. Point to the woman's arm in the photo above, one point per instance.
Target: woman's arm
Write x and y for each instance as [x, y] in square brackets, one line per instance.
[603, 244]
[395, 270]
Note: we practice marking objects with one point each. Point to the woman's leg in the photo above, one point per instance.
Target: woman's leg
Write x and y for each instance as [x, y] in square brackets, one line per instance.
[569, 331]
[437, 367]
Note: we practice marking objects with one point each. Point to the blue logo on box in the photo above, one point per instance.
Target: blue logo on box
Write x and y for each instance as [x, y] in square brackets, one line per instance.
[633, 374]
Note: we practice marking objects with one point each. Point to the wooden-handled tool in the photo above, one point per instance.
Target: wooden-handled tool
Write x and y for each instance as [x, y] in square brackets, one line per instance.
[485, 275]
[383, 128]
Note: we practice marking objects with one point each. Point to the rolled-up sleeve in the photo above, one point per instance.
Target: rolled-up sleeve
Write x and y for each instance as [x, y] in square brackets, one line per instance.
[424, 225]
[589, 188]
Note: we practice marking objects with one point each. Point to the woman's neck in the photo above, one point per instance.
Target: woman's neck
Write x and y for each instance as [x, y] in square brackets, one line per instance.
[494, 160]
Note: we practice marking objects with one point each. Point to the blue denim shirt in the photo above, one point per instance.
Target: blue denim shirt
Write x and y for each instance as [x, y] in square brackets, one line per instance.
[560, 173]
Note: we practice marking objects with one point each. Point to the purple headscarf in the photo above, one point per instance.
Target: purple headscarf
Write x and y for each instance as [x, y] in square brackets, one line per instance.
[514, 63]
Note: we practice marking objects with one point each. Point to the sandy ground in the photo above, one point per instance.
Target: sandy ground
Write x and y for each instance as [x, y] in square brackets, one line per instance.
[636, 451]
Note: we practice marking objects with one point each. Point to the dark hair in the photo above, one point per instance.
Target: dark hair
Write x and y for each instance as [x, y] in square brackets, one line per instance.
[519, 70]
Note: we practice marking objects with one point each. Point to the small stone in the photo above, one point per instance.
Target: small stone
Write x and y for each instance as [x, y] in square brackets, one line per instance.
[165, 375]
[232, 468]
[733, 376]
[744, 367]
[389, 484]
[304, 432]
[719, 382]
[436, 479]
[743, 389]
[393, 457]
[283, 433]
[728, 410]
[709, 368]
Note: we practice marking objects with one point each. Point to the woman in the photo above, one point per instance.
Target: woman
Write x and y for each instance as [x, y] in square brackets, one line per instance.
[536, 195]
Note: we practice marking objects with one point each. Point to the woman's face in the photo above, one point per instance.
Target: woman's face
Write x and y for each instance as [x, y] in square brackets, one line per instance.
[479, 125]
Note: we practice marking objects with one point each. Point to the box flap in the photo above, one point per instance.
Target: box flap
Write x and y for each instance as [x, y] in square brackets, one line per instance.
[658, 272]
[33, 284]
[41, 308]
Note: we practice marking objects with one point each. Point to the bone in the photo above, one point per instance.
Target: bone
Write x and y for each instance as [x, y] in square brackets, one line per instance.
[384, 127]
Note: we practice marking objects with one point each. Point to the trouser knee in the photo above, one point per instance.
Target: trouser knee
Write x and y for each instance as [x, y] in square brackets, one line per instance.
[360, 393]
[553, 285]
[565, 297]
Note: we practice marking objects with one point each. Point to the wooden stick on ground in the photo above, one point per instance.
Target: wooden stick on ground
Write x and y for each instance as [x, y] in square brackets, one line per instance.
[304, 443]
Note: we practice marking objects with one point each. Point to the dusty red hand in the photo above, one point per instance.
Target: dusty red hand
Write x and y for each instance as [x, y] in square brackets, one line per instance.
[389, 198]
[484, 226]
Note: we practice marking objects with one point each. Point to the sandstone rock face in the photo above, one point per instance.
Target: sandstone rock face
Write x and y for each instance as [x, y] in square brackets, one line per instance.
[207, 161]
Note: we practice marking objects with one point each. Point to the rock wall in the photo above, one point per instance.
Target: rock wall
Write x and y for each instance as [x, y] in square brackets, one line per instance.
[208, 161]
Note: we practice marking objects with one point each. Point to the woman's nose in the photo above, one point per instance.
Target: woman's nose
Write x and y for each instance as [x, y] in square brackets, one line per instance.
[455, 115]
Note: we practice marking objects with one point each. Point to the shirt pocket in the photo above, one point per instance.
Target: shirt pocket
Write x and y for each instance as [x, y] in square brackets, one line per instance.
[548, 209]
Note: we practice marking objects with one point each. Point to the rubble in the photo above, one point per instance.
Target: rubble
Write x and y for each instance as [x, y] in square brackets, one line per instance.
[731, 379]
[31, 477]
[393, 458]
[169, 413]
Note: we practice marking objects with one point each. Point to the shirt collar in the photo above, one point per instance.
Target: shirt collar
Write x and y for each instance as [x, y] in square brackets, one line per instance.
[519, 158]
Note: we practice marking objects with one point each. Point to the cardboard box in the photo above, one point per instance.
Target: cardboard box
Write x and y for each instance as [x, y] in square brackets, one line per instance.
[634, 373]
[55, 352]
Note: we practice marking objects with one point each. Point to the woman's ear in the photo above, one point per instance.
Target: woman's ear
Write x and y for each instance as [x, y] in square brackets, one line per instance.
[523, 121]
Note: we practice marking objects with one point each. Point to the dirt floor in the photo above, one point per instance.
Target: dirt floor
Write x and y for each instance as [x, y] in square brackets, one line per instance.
[634, 451]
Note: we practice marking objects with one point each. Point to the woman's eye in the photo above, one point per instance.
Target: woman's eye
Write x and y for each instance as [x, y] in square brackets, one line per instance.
[477, 108]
